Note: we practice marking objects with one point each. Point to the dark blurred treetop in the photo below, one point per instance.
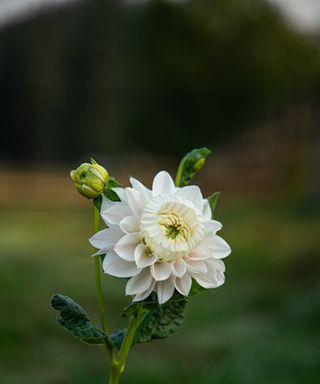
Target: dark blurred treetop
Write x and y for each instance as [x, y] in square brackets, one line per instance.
[105, 77]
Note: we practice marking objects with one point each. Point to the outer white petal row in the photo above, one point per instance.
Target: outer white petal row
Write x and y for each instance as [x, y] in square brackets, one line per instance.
[137, 248]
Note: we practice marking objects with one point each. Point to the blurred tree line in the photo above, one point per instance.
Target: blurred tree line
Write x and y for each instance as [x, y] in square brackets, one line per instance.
[160, 77]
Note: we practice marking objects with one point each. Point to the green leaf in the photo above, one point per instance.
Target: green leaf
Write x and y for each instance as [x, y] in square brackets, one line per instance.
[190, 165]
[111, 195]
[129, 309]
[109, 192]
[195, 289]
[213, 200]
[75, 320]
[97, 202]
[149, 303]
[113, 183]
[116, 337]
[161, 320]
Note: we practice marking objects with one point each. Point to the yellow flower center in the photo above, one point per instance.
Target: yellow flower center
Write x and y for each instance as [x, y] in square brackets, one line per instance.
[171, 228]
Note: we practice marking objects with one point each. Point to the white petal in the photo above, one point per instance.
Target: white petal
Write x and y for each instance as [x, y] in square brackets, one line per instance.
[106, 238]
[121, 192]
[206, 212]
[210, 282]
[136, 201]
[205, 282]
[116, 213]
[106, 203]
[183, 284]
[212, 226]
[196, 266]
[142, 257]
[165, 290]
[215, 275]
[193, 194]
[198, 254]
[215, 246]
[179, 267]
[126, 246]
[163, 184]
[100, 252]
[161, 271]
[115, 266]
[139, 283]
[141, 188]
[215, 265]
[130, 224]
[146, 293]
[220, 279]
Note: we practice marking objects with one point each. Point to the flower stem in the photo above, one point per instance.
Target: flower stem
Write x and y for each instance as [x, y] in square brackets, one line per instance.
[114, 375]
[118, 364]
[97, 268]
[179, 173]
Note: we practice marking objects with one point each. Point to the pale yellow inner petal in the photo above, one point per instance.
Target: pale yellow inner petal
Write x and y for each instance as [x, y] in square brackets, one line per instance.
[171, 228]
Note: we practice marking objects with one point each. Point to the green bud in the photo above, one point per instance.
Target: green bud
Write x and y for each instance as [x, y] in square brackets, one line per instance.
[190, 165]
[90, 179]
[199, 164]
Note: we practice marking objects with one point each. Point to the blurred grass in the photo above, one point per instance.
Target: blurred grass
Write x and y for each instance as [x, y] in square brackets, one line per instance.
[261, 327]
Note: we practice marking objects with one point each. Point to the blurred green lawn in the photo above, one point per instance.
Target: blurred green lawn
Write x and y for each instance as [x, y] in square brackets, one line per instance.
[261, 327]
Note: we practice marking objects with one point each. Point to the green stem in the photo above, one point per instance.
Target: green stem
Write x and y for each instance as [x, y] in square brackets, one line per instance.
[97, 267]
[179, 173]
[97, 270]
[118, 364]
[114, 375]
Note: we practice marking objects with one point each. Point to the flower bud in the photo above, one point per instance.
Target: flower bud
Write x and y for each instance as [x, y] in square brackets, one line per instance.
[90, 179]
[199, 164]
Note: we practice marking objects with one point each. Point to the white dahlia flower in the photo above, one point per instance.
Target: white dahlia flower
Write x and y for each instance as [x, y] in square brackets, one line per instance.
[161, 239]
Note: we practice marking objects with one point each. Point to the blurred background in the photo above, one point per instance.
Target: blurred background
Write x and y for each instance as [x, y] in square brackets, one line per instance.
[137, 84]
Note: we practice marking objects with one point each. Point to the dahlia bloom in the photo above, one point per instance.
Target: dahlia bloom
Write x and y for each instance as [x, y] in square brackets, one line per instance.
[161, 239]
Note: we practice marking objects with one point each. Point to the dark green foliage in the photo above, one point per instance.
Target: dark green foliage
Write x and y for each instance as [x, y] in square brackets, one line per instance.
[197, 71]
[75, 320]
[162, 320]
[129, 309]
[192, 163]
[212, 67]
[159, 321]
[148, 304]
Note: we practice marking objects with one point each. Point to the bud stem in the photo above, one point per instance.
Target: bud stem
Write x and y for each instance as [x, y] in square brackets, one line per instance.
[179, 173]
[97, 267]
